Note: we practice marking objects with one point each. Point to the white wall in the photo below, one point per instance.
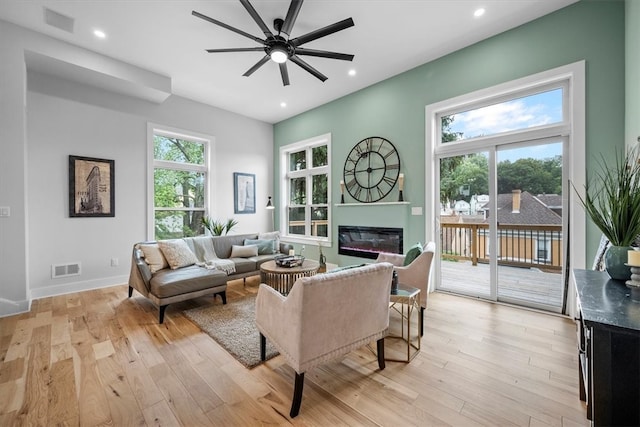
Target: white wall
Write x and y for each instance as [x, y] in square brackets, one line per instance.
[65, 118]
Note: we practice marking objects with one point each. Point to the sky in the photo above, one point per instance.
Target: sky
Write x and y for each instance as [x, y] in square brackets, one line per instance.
[522, 113]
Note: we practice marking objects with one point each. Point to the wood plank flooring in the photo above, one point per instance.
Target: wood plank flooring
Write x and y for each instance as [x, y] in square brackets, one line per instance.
[99, 358]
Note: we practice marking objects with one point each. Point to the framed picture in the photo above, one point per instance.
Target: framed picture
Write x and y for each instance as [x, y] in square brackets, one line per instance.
[91, 187]
[244, 193]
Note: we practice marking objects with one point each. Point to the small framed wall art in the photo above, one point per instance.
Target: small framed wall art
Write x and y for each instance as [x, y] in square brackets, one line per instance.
[244, 193]
[91, 187]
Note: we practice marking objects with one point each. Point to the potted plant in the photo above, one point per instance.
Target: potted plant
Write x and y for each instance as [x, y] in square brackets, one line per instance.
[216, 227]
[612, 201]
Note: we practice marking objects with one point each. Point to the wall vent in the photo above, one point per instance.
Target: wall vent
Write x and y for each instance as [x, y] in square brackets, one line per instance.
[65, 270]
[58, 20]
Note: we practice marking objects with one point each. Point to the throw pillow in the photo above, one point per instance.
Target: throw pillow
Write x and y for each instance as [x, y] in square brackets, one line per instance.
[243, 251]
[413, 253]
[153, 257]
[265, 247]
[272, 235]
[177, 253]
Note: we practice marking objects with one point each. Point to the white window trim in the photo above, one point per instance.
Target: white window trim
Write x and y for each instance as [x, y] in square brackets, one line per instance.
[574, 75]
[285, 175]
[209, 155]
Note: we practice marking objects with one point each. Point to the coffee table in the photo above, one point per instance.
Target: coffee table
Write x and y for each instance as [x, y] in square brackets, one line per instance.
[282, 278]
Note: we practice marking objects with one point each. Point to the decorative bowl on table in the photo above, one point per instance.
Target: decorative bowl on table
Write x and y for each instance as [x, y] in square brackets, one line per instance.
[289, 261]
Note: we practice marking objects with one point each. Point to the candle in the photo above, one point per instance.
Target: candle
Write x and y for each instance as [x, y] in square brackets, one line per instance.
[401, 181]
[341, 186]
[292, 252]
[634, 258]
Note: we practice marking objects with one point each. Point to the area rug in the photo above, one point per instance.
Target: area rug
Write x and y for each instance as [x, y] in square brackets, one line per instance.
[233, 326]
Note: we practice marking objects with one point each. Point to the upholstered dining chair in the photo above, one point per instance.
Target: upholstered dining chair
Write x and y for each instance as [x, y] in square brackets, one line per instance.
[324, 317]
[415, 273]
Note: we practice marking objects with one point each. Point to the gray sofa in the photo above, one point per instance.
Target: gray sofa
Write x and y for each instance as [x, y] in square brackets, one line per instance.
[204, 271]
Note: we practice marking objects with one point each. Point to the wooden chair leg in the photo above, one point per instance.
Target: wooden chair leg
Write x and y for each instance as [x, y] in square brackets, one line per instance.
[162, 309]
[421, 321]
[130, 291]
[263, 347]
[297, 395]
[381, 363]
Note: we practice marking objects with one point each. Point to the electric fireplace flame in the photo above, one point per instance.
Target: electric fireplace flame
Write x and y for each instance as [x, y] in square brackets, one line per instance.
[368, 242]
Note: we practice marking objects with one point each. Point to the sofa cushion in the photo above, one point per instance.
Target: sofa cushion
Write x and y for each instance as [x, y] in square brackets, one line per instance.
[153, 257]
[265, 246]
[413, 253]
[243, 251]
[177, 253]
[244, 265]
[168, 283]
[222, 244]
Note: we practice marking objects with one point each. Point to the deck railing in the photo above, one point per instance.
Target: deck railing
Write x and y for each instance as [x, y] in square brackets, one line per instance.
[537, 246]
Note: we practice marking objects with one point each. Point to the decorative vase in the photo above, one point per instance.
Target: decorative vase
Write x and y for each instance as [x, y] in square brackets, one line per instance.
[323, 262]
[615, 258]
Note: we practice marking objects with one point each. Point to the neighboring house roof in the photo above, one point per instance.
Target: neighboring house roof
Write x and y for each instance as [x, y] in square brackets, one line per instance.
[552, 201]
[532, 211]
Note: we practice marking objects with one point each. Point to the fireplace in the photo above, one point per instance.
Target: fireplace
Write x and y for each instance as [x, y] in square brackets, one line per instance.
[367, 242]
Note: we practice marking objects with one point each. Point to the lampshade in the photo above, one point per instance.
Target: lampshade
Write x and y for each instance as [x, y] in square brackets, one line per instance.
[279, 55]
[269, 204]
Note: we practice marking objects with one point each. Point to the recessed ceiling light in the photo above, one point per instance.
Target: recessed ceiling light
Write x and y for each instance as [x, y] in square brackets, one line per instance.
[283, 104]
[352, 72]
[479, 12]
[99, 34]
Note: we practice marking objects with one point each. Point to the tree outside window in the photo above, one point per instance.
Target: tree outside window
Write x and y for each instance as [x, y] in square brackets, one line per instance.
[179, 177]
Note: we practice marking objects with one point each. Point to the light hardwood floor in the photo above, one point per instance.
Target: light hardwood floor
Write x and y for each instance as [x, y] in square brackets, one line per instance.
[98, 358]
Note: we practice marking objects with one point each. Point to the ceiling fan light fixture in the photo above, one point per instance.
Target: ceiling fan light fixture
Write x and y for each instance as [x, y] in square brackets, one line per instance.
[279, 55]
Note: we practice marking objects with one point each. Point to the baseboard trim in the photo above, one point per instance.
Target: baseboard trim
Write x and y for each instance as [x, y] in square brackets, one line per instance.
[9, 308]
[69, 288]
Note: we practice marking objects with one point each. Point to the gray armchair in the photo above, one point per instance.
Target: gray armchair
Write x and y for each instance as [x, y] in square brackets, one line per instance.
[324, 317]
[415, 274]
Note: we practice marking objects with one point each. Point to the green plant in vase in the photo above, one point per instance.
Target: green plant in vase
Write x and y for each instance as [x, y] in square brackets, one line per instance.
[612, 201]
[216, 227]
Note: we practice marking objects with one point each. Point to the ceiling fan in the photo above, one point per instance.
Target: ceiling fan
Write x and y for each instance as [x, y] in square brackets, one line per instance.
[280, 49]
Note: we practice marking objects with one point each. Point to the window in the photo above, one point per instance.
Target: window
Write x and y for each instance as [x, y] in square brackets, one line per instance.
[179, 167]
[536, 108]
[305, 187]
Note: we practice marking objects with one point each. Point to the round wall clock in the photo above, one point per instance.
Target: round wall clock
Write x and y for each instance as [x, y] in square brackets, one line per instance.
[371, 169]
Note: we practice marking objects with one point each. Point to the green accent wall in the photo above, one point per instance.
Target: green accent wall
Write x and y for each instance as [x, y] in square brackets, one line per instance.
[632, 89]
[593, 31]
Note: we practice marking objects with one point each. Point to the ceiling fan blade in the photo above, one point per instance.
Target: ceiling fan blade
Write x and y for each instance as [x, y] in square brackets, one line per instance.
[329, 29]
[259, 64]
[284, 73]
[298, 61]
[228, 27]
[267, 32]
[238, 49]
[324, 54]
[292, 14]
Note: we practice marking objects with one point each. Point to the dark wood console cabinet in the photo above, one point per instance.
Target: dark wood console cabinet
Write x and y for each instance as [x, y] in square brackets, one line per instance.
[609, 349]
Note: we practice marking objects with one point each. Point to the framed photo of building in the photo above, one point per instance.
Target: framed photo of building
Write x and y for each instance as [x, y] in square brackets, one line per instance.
[244, 193]
[91, 187]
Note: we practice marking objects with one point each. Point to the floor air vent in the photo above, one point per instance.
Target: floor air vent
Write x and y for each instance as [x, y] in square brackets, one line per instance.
[64, 270]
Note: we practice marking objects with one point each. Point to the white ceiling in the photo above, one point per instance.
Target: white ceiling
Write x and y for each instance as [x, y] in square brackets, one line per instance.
[389, 37]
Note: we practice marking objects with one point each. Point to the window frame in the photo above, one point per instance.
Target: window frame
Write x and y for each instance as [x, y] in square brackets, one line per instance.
[285, 179]
[574, 152]
[152, 163]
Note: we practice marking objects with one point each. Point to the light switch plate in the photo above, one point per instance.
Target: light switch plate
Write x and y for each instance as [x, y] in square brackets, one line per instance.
[5, 211]
[416, 210]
